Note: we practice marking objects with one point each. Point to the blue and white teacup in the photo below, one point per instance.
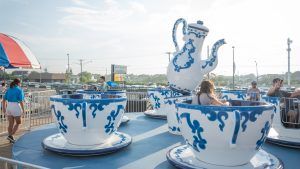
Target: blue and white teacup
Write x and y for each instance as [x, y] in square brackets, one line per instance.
[172, 114]
[87, 121]
[225, 135]
[158, 97]
[234, 94]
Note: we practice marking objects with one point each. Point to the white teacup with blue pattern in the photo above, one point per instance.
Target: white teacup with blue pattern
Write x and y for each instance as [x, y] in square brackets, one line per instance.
[158, 98]
[225, 135]
[172, 114]
[87, 121]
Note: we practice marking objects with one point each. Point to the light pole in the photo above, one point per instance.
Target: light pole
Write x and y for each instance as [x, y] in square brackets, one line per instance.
[169, 53]
[256, 72]
[68, 71]
[233, 67]
[289, 41]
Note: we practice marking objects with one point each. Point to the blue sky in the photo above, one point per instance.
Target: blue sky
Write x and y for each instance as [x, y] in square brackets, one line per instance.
[138, 33]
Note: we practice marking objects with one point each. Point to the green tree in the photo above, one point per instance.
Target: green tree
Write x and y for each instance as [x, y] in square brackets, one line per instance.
[85, 77]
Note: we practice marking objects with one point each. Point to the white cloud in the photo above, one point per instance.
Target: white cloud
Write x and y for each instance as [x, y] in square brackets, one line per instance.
[81, 3]
[138, 7]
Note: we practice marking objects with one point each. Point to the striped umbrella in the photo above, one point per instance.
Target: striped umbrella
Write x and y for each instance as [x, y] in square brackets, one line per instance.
[15, 54]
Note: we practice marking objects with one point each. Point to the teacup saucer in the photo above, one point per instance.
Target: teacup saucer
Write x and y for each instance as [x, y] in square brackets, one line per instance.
[182, 157]
[125, 119]
[57, 143]
[154, 114]
[275, 138]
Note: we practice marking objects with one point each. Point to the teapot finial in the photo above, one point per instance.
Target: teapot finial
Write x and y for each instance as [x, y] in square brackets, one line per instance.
[200, 22]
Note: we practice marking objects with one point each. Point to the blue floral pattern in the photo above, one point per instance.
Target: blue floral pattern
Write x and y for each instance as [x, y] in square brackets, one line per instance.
[156, 101]
[110, 128]
[60, 120]
[199, 142]
[189, 48]
[264, 132]
[98, 106]
[198, 34]
[274, 100]
[78, 107]
[239, 95]
[174, 128]
[215, 115]
[178, 153]
[250, 116]
[177, 89]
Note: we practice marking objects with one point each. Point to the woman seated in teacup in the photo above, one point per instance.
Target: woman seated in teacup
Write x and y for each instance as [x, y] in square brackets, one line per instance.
[206, 95]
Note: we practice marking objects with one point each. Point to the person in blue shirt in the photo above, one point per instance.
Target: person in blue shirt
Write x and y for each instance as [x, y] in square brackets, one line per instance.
[13, 106]
[102, 85]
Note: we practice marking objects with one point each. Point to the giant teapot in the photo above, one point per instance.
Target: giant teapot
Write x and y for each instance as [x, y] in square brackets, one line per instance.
[186, 69]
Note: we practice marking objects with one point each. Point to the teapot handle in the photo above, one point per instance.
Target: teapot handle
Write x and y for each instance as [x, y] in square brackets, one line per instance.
[184, 28]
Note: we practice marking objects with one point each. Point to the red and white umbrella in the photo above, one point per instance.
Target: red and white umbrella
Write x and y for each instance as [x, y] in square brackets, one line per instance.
[15, 54]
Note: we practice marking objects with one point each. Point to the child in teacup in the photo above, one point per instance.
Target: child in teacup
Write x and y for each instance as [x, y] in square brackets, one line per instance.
[206, 95]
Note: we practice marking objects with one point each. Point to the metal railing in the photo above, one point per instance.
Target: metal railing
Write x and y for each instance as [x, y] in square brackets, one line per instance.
[37, 111]
[37, 108]
[137, 101]
[290, 112]
[6, 163]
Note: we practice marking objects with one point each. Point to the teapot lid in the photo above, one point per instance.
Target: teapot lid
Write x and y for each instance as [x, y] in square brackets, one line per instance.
[199, 25]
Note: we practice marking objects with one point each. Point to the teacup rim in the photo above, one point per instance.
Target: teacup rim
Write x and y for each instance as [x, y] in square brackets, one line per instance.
[174, 97]
[159, 89]
[58, 98]
[266, 106]
[98, 92]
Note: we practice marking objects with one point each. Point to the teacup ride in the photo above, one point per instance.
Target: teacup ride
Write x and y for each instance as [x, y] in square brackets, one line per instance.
[158, 98]
[233, 94]
[239, 95]
[93, 94]
[172, 114]
[220, 137]
[87, 126]
[285, 130]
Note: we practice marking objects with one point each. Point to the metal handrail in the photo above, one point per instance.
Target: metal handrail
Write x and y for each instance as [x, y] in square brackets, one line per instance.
[17, 164]
[290, 112]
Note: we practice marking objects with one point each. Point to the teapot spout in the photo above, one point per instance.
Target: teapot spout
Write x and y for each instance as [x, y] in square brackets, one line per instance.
[211, 63]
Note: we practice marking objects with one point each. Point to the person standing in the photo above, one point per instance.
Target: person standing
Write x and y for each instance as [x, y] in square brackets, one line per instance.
[13, 106]
[3, 87]
[253, 92]
[103, 85]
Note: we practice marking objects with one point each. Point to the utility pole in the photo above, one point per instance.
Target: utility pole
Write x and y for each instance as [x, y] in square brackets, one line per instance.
[256, 72]
[233, 67]
[208, 57]
[68, 71]
[81, 63]
[289, 41]
[80, 60]
[68, 63]
[169, 53]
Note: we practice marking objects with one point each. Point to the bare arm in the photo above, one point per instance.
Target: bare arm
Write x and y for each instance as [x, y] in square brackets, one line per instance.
[295, 94]
[219, 103]
[22, 106]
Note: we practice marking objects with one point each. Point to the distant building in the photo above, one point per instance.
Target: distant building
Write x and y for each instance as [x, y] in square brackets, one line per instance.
[20, 73]
[46, 77]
